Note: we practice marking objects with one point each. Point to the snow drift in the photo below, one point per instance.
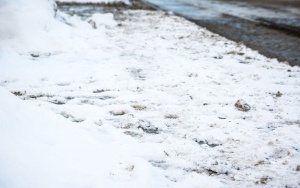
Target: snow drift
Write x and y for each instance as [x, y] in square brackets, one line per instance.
[41, 149]
[33, 26]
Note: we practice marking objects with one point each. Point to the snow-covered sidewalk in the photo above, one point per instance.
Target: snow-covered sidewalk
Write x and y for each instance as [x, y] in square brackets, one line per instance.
[146, 101]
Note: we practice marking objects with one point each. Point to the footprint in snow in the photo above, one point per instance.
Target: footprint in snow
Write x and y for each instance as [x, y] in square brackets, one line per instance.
[171, 116]
[58, 101]
[147, 127]
[137, 73]
[100, 90]
[119, 111]
[71, 117]
[133, 134]
[138, 107]
[63, 84]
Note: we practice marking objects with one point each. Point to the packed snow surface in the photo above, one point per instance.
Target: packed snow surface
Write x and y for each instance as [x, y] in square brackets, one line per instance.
[145, 100]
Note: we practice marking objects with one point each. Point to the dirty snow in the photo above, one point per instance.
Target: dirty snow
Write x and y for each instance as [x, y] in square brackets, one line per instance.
[147, 102]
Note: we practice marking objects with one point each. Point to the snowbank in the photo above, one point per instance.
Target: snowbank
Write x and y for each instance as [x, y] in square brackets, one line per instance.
[38, 26]
[28, 23]
[41, 149]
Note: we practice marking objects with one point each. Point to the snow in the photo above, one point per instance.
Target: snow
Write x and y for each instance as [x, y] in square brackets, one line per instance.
[134, 102]
[102, 20]
[94, 1]
[23, 21]
[41, 149]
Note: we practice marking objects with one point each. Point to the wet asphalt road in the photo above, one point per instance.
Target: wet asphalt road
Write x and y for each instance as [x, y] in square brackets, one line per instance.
[271, 27]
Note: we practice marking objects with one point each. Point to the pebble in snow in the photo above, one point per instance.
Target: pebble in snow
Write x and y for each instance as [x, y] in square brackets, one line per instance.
[242, 105]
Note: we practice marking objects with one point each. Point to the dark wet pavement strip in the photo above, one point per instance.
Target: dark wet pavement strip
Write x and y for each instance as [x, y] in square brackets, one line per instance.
[270, 36]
